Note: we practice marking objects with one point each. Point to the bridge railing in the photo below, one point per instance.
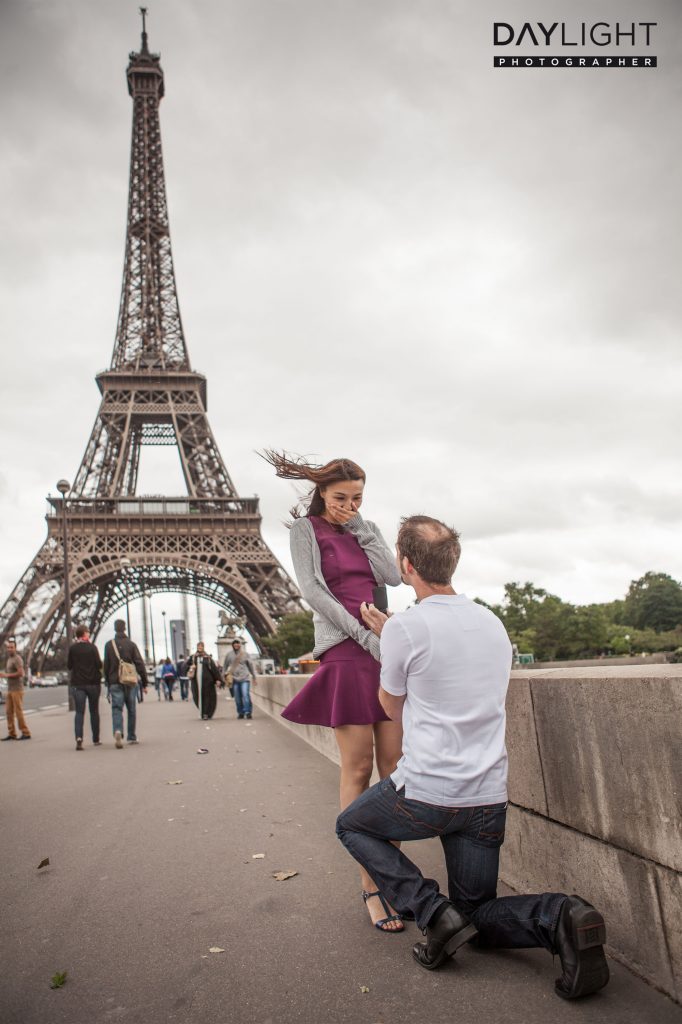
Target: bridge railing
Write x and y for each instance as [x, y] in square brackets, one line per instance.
[154, 506]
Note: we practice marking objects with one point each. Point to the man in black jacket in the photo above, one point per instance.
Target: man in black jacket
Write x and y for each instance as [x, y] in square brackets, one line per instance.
[85, 666]
[121, 648]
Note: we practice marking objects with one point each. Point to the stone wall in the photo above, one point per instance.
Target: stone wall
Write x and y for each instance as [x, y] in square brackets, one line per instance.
[659, 658]
[595, 791]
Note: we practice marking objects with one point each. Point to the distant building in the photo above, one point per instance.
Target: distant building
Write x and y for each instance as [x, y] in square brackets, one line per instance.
[178, 632]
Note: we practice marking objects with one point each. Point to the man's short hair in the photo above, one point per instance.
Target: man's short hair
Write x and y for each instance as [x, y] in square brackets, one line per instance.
[120, 626]
[81, 630]
[431, 547]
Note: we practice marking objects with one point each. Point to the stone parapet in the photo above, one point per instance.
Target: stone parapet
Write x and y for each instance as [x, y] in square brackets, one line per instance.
[273, 693]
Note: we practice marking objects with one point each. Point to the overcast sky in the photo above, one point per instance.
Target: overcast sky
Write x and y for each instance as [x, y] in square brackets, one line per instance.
[464, 278]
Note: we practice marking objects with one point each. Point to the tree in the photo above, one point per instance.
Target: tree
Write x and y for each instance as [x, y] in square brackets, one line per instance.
[550, 622]
[293, 637]
[654, 602]
[587, 631]
[520, 605]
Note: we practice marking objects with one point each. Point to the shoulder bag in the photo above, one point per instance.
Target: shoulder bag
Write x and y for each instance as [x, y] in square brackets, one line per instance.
[127, 673]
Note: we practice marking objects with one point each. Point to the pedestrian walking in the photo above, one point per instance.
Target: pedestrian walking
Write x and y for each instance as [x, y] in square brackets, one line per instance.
[158, 680]
[183, 679]
[445, 665]
[14, 701]
[123, 665]
[203, 674]
[339, 558]
[169, 676]
[85, 665]
[239, 674]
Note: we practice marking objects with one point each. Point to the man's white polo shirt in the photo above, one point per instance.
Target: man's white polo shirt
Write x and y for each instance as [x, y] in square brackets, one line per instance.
[452, 658]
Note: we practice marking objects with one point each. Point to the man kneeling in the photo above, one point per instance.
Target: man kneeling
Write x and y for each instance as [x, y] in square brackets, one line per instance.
[445, 667]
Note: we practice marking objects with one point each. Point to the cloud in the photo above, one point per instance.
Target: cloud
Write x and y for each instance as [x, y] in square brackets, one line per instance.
[467, 280]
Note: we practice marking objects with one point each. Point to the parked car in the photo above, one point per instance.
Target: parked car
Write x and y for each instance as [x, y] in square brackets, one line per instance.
[47, 681]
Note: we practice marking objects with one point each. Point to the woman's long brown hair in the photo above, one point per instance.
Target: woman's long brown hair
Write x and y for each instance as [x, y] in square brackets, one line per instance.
[295, 467]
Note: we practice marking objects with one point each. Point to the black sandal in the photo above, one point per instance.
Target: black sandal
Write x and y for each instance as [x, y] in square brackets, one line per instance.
[389, 916]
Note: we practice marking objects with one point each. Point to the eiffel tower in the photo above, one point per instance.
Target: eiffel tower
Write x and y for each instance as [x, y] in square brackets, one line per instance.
[120, 547]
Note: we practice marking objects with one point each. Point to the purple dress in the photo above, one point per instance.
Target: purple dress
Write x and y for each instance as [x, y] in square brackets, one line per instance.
[344, 689]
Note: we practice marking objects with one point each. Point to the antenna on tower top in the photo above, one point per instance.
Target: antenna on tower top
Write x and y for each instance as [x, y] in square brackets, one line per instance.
[143, 12]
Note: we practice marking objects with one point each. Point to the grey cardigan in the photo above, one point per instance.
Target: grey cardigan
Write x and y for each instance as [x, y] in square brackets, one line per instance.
[332, 622]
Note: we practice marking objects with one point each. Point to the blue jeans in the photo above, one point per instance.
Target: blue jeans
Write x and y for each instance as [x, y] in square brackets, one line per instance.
[241, 691]
[120, 696]
[471, 838]
[184, 687]
[81, 696]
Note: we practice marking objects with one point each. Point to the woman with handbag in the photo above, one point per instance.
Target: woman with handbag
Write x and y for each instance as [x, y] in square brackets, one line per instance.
[203, 674]
[339, 558]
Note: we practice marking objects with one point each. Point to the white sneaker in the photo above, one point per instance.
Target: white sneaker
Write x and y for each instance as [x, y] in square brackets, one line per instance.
[118, 740]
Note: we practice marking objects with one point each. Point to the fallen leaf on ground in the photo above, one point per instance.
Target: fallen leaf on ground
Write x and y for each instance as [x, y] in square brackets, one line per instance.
[242, 809]
[58, 979]
[202, 750]
[216, 949]
[257, 856]
[282, 876]
[171, 819]
[43, 864]
[364, 989]
[174, 782]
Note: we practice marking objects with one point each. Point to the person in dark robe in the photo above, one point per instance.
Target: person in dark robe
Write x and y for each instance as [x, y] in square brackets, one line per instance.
[204, 675]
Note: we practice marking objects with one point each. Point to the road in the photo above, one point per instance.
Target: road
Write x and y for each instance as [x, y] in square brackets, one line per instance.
[152, 865]
[42, 698]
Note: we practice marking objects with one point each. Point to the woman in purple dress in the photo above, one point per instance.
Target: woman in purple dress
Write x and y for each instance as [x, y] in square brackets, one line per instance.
[339, 558]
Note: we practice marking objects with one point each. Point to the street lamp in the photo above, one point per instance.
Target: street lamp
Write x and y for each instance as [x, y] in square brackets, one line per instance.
[63, 486]
[165, 634]
[151, 629]
[125, 565]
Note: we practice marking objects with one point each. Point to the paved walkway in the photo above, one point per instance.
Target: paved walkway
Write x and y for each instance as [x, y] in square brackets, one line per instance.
[145, 877]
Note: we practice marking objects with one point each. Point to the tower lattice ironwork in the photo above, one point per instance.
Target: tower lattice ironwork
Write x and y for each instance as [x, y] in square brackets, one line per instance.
[121, 546]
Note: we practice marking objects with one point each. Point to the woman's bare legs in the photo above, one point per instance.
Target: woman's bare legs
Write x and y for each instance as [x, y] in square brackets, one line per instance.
[356, 747]
[388, 744]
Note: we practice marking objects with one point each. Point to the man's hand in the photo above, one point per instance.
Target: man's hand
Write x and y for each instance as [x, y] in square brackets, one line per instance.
[373, 618]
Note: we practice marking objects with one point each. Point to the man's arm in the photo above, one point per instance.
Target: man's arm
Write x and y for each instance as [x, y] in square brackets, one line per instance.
[139, 665]
[392, 705]
[107, 661]
[396, 651]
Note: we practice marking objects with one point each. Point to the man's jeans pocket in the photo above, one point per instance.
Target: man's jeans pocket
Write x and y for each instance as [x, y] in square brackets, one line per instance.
[429, 819]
